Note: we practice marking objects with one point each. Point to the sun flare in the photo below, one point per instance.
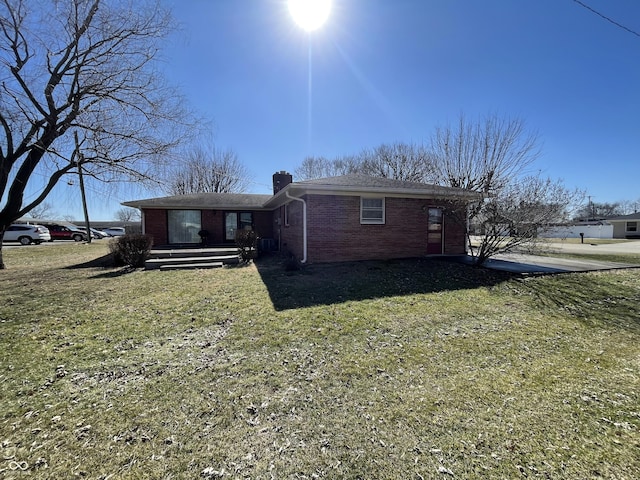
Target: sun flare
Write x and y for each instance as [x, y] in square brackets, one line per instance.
[310, 14]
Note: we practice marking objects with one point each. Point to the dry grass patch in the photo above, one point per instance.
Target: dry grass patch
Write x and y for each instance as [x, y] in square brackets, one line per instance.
[611, 257]
[593, 241]
[405, 369]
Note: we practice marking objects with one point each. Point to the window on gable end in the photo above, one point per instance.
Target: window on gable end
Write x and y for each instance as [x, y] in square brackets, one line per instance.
[372, 210]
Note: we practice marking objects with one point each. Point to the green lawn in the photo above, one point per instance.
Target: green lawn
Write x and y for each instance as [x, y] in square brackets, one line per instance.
[376, 370]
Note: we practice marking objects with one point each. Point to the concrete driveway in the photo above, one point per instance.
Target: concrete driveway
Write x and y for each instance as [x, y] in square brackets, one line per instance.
[537, 265]
[622, 248]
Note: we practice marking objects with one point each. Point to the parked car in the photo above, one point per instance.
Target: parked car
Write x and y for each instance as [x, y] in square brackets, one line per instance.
[99, 233]
[26, 234]
[84, 229]
[95, 233]
[64, 232]
[114, 231]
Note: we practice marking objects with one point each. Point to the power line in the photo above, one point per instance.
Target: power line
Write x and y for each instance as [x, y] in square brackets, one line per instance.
[584, 5]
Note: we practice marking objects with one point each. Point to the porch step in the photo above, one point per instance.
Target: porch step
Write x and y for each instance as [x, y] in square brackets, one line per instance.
[191, 252]
[189, 258]
[191, 266]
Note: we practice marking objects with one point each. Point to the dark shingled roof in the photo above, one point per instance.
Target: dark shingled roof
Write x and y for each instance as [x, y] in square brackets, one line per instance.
[358, 180]
[341, 185]
[631, 216]
[359, 184]
[247, 201]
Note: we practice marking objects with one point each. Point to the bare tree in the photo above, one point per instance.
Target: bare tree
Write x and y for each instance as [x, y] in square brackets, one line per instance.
[213, 171]
[515, 217]
[310, 168]
[42, 211]
[599, 210]
[631, 206]
[485, 155]
[128, 214]
[79, 89]
[491, 156]
[400, 161]
[320, 167]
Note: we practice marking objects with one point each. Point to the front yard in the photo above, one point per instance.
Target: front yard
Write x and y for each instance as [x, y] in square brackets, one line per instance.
[406, 369]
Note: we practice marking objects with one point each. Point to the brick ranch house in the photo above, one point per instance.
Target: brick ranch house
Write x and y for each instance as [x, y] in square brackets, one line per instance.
[344, 218]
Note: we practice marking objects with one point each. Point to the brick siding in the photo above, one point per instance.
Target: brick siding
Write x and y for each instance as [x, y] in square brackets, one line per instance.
[335, 233]
[155, 225]
[334, 230]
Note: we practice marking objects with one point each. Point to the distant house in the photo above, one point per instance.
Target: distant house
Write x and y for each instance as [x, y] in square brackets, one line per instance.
[626, 226]
[596, 229]
[351, 217]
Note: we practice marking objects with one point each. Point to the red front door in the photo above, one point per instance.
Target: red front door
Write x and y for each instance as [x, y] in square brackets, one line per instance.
[434, 232]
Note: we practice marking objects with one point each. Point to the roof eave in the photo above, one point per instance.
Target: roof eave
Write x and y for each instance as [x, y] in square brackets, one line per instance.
[299, 189]
[155, 206]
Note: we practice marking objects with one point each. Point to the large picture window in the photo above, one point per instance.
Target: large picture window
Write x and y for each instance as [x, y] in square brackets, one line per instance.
[184, 226]
[371, 210]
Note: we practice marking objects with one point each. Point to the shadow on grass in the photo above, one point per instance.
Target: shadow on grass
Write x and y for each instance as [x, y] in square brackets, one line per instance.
[106, 261]
[327, 284]
[595, 300]
[116, 273]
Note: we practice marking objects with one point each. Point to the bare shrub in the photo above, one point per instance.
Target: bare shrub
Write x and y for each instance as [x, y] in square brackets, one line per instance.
[131, 250]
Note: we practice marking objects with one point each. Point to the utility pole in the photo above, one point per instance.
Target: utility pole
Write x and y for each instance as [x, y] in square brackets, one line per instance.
[82, 194]
[591, 208]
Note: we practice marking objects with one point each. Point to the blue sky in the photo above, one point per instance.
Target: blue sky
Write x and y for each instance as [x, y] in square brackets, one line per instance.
[384, 71]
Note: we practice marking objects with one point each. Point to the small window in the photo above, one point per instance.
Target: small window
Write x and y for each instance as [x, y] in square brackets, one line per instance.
[632, 226]
[286, 215]
[371, 210]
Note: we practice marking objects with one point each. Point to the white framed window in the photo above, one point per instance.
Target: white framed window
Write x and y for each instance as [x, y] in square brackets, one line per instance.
[632, 226]
[286, 214]
[372, 210]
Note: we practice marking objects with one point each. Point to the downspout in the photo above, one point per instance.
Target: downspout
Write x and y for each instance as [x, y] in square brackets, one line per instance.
[468, 248]
[304, 225]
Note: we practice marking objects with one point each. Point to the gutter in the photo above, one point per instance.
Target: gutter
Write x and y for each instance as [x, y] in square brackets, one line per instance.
[304, 225]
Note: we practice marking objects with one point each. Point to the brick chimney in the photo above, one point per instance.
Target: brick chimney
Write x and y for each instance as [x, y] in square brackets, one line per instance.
[280, 180]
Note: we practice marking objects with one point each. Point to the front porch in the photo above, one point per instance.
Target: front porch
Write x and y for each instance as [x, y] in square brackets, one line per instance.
[176, 257]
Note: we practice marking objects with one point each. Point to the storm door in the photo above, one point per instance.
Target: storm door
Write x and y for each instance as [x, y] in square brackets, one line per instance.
[234, 221]
[434, 232]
